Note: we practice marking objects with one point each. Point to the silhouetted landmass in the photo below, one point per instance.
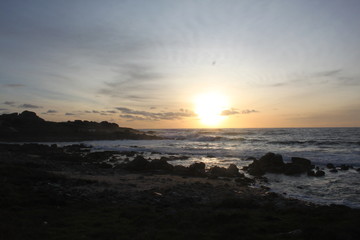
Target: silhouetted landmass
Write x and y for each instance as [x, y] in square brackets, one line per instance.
[27, 126]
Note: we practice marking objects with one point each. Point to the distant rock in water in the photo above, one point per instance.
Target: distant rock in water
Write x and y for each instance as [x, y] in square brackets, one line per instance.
[28, 127]
[273, 163]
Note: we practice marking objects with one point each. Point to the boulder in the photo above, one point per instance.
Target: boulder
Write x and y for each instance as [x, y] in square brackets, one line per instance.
[232, 171]
[138, 164]
[311, 173]
[218, 171]
[272, 162]
[330, 166]
[293, 169]
[160, 164]
[305, 163]
[333, 170]
[181, 170]
[197, 169]
[319, 173]
[344, 167]
[255, 169]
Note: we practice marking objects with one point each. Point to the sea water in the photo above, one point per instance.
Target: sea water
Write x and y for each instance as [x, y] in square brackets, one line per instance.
[224, 146]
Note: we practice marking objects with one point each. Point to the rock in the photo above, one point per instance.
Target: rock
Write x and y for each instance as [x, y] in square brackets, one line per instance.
[333, 170]
[138, 164]
[319, 173]
[306, 163]
[330, 166]
[344, 167]
[311, 173]
[160, 164]
[272, 162]
[197, 169]
[232, 171]
[294, 169]
[255, 169]
[251, 158]
[358, 169]
[181, 170]
[218, 171]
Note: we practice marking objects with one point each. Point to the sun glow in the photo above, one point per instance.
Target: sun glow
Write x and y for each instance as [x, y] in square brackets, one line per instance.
[209, 108]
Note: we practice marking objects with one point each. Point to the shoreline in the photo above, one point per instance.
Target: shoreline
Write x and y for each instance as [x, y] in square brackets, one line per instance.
[68, 192]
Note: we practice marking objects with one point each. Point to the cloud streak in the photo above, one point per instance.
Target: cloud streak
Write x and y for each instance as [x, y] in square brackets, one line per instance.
[30, 106]
[132, 114]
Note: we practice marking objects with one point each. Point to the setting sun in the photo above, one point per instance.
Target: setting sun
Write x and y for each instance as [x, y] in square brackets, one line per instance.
[209, 107]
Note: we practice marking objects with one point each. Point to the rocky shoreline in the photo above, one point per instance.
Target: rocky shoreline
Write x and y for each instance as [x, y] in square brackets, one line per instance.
[70, 192]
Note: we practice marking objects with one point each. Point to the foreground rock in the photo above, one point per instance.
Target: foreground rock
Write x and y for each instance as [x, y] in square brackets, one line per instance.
[28, 127]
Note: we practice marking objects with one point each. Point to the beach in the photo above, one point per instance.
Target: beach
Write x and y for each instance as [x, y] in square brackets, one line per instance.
[70, 192]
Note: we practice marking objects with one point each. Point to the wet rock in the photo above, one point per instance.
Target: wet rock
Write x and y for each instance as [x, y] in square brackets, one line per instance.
[319, 173]
[217, 171]
[333, 170]
[197, 169]
[330, 166]
[160, 164]
[272, 163]
[138, 164]
[344, 167]
[305, 163]
[232, 171]
[181, 170]
[255, 169]
[293, 169]
[311, 173]
[251, 158]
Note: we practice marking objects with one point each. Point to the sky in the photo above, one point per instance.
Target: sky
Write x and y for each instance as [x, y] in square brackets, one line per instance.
[143, 64]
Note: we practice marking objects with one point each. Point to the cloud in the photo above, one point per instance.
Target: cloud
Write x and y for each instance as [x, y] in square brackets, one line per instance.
[69, 114]
[132, 114]
[248, 111]
[3, 109]
[321, 77]
[234, 111]
[50, 112]
[9, 103]
[13, 85]
[27, 105]
[136, 82]
[229, 112]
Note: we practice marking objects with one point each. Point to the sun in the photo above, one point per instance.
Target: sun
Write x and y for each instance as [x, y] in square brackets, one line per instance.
[209, 108]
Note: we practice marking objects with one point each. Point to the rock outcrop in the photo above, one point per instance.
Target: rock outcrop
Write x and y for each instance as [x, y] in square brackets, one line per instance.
[28, 127]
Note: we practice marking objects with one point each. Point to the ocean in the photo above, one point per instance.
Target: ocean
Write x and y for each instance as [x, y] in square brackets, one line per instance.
[225, 146]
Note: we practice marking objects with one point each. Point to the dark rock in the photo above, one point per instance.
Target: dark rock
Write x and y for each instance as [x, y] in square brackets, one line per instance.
[138, 164]
[272, 162]
[344, 167]
[333, 170]
[251, 158]
[181, 170]
[197, 169]
[311, 173]
[255, 169]
[319, 173]
[358, 169]
[232, 171]
[160, 164]
[330, 166]
[305, 163]
[293, 169]
[218, 171]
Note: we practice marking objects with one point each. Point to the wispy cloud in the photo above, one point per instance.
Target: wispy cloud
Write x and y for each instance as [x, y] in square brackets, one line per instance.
[9, 103]
[234, 111]
[69, 114]
[132, 114]
[30, 106]
[50, 112]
